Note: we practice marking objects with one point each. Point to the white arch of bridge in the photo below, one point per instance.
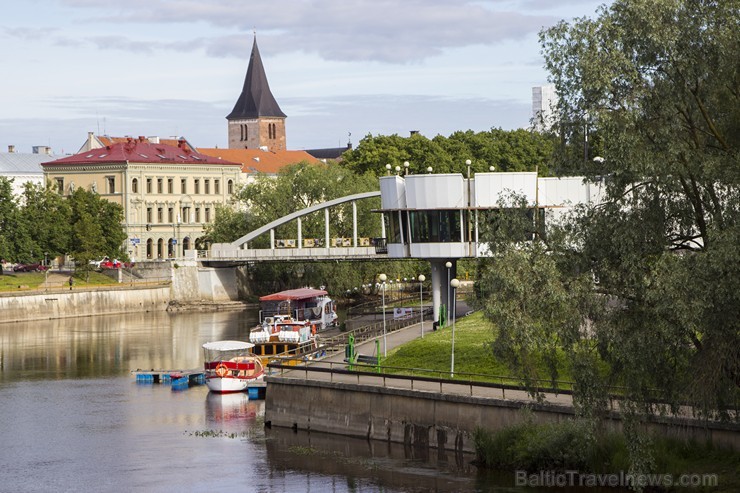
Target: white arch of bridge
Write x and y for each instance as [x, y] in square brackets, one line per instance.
[325, 206]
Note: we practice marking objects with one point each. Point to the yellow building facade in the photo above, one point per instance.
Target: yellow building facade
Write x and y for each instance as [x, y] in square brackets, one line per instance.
[168, 194]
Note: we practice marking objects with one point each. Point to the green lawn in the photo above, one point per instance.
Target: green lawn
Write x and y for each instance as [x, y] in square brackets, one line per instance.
[473, 335]
[10, 281]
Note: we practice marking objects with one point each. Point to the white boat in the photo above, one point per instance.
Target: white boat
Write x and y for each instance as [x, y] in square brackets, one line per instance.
[230, 366]
[294, 316]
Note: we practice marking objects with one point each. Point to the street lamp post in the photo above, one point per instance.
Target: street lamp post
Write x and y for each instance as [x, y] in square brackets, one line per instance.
[421, 302]
[382, 278]
[454, 284]
[447, 307]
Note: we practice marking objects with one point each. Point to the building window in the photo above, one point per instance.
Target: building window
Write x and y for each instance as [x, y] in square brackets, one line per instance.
[185, 214]
[197, 186]
[230, 187]
[135, 185]
[110, 183]
[170, 185]
[208, 215]
[171, 215]
[149, 214]
[183, 185]
[60, 185]
[160, 218]
[148, 185]
[197, 214]
[216, 186]
[207, 186]
[159, 185]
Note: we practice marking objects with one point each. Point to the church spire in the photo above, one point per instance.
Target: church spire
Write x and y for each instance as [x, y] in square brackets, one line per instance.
[256, 100]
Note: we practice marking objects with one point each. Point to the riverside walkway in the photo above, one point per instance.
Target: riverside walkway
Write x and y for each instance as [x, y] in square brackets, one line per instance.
[334, 368]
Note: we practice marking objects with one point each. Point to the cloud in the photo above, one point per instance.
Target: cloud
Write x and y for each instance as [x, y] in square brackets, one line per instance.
[310, 124]
[339, 30]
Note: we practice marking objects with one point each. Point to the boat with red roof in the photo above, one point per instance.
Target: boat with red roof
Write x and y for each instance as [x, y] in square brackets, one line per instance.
[290, 321]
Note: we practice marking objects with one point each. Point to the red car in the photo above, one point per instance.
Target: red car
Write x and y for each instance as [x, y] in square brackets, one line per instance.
[110, 264]
[30, 268]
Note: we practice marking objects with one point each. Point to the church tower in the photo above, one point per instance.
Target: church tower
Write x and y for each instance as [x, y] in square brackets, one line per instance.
[256, 120]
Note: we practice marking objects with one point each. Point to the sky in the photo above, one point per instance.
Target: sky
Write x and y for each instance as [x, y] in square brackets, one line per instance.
[340, 69]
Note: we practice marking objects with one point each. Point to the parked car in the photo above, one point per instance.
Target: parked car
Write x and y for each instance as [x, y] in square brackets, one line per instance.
[110, 264]
[30, 268]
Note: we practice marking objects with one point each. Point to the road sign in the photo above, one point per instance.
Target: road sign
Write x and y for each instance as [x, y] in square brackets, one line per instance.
[135, 241]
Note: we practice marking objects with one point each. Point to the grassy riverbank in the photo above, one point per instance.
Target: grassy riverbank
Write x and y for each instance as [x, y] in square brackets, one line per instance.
[23, 281]
[474, 358]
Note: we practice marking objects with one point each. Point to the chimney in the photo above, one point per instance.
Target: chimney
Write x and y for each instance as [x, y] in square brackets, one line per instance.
[42, 150]
[142, 138]
[11, 149]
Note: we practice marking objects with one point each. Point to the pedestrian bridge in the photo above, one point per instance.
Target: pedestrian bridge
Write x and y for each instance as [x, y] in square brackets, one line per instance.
[306, 249]
[434, 217]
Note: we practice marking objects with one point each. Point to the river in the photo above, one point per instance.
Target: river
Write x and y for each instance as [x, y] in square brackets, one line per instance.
[72, 418]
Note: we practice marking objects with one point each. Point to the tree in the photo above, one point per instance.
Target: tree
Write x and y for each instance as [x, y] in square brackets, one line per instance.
[230, 223]
[97, 228]
[515, 150]
[49, 214]
[302, 185]
[8, 211]
[658, 82]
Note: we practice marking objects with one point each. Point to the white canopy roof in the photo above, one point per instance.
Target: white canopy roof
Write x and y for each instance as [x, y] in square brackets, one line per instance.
[227, 345]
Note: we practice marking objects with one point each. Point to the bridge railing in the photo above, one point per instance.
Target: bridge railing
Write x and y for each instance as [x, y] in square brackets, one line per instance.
[229, 252]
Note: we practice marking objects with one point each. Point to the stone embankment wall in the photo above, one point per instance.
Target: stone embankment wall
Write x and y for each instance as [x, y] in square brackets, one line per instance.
[428, 419]
[154, 286]
[78, 303]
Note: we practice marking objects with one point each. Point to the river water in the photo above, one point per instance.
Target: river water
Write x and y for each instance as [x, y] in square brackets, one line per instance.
[72, 418]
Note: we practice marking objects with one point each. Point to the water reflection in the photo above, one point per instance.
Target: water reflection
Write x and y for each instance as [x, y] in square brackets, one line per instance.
[94, 347]
[366, 463]
[233, 410]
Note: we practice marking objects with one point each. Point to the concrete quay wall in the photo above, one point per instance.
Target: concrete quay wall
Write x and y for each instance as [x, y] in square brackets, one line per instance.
[428, 419]
[158, 284]
[78, 303]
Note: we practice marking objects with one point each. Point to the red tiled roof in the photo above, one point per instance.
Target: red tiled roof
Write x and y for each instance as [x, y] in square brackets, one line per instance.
[259, 161]
[142, 151]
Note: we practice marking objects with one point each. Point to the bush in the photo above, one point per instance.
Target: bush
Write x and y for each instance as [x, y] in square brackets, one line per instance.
[553, 447]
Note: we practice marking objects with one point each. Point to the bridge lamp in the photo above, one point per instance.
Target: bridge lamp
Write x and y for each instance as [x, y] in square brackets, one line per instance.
[398, 169]
[388, 169]
[454, 284]
[491, 168]
[406, 167]
[382, 278]
[449, 266]
[429, 169]
[421, 302]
